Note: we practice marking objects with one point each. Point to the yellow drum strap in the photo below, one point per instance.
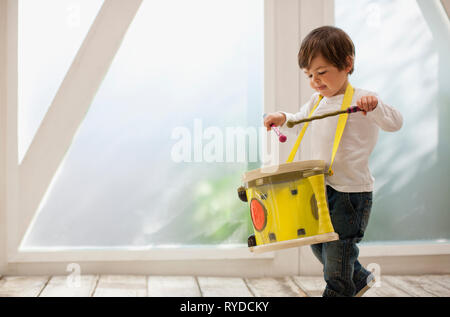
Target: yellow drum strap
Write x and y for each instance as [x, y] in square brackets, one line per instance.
[302, 133]
[341, 123]
[348, 96]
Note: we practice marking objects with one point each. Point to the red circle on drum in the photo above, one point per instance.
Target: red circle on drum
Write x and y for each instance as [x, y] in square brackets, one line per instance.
[258, 214]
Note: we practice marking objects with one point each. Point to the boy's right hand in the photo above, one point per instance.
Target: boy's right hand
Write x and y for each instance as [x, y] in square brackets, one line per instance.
[275, 118]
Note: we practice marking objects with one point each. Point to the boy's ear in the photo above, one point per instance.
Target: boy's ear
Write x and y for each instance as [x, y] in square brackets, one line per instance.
[350, 63]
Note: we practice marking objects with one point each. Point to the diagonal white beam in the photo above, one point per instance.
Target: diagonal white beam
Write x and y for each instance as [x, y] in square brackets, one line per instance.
[446, 5]
[71, 103]
[437, 20]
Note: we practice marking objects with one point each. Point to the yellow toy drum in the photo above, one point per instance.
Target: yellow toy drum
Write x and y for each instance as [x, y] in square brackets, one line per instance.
[288, 207]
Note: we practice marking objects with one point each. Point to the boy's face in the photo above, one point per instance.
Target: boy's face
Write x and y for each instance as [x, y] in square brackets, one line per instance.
[326, 78]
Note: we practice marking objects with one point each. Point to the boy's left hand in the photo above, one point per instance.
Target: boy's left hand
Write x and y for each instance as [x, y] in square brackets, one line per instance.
[367, 103]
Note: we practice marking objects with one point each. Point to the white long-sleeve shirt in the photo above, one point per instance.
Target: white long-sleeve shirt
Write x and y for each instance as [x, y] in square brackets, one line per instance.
[351, 164]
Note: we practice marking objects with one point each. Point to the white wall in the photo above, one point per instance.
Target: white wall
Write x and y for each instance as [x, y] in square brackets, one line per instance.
[8, 121]
[2, 135]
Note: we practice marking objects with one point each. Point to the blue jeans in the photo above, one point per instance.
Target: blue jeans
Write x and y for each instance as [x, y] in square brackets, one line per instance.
[349, 213]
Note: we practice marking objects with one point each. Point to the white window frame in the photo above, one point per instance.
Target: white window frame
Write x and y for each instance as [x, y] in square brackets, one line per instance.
[23, 186]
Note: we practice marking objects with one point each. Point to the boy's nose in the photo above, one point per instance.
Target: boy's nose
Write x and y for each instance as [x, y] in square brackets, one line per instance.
[314, 79]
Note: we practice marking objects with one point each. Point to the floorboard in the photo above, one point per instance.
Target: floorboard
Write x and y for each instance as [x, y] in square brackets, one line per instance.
[61, 286]
[430, 283]
[274, 287]
[223, 287]
[173, 286]
[22, 286]
[313, 286]
[404, 284]
[385, 289]
[121, 286]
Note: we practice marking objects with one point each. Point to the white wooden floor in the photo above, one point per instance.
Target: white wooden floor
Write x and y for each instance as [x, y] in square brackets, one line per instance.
[190, 286]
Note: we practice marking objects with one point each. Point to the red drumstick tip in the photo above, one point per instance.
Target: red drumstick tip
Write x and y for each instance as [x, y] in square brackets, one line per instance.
[282, 138]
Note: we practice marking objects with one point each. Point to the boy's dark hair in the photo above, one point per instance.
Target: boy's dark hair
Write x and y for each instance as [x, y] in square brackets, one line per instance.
[329, 41]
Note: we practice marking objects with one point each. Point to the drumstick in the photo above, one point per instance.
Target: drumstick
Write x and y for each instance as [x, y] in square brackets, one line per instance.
[281, 137]
[290, 124]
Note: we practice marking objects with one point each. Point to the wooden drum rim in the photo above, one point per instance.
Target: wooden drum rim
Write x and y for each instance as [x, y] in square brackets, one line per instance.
[316, 166]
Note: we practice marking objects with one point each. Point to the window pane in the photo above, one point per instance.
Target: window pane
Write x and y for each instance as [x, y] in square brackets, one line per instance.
[192, 67]
[398, 56]
[50, 34]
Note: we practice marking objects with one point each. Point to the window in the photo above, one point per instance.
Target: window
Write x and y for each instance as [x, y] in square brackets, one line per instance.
[186, 69]
[410, 71]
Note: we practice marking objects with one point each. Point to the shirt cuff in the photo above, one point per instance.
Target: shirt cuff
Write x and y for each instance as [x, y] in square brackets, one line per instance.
[288, 117]
[377, 112]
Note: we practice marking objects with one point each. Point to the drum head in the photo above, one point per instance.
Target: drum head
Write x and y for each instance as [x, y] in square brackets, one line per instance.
[259, 214]
[284, 172]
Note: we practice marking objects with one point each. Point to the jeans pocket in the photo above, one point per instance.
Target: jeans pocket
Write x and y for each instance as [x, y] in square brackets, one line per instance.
[352, 200]
[364, 221]
[359, 206]
[367, 207]
[343, 217]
